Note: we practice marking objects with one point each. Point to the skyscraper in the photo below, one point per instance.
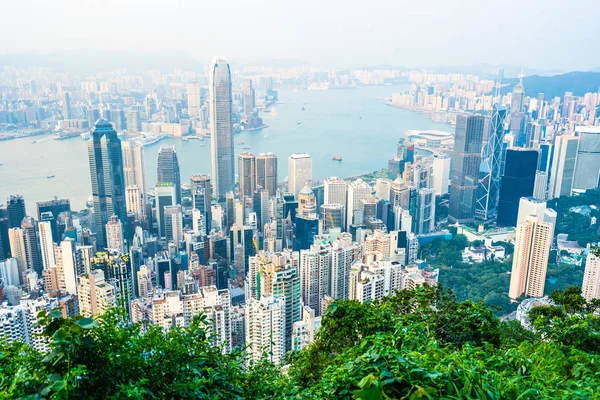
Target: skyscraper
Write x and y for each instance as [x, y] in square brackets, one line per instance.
[590, 288]
[133, 165]
[441, 173]
[168, 170]
[66, 105]
[299, 172]
[530, 262]
[108, 182]
[249, 98]
[134, 202]
[518, 181]
[465, 163]
[357, 191]
[114, 235]
[488, 186]
[46, 244]
[563, 166]
[336, 191]
[265, 328]
[587, 164]
[32, 251]
[266, 172]
[193, 99]
[518, 96]
[165, 195]
[201, 196]
[15, 208]
[246, 174]
[221, 128]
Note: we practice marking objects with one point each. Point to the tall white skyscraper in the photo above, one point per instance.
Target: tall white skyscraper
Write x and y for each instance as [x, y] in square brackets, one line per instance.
[265, 328]
[193, 97]
[299, 172]
[114, 235]
[357, 191]
[540, 185]
[336, 191]
[46, 244]
[587, 165]
[221, 128]
[17, 250]
[173, 224]
[133, 164]
[134, 201]
[590, 289]
[563, 166]
[441, 173]
[67, 261]
[530, 262]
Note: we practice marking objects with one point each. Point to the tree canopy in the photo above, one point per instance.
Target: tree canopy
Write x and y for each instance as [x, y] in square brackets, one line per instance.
[414, 344]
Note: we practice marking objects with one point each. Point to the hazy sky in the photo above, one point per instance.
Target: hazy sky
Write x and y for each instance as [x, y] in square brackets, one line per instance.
[534, 33]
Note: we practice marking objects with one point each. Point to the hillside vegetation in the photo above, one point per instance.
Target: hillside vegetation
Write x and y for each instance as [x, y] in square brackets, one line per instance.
[415, 344]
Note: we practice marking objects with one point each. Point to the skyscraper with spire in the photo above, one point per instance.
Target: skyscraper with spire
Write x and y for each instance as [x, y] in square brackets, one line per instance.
[221, 128]
[108, 182]
[518, 95]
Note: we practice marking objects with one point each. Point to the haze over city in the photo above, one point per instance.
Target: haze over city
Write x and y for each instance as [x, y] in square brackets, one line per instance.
[542, 35]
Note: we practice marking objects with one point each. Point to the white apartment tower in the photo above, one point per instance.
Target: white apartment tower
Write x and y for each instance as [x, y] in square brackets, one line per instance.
[532, 248]
[299, 172]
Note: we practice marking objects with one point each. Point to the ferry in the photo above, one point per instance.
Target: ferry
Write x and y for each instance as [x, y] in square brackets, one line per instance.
[85, 136]
[33, 141]
[50, 176]
[336, 158]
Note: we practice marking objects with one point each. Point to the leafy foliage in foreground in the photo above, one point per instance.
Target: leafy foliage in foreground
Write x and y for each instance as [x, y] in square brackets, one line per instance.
[415, 344]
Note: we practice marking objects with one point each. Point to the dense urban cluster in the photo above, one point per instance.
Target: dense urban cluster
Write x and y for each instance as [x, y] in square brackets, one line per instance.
[262, 259]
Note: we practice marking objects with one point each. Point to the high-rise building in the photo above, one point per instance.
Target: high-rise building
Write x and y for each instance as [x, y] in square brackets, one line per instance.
[201, 196]
[424, 218]
[518, 97]
[193, 99]
[541, 185]
[133, 165]
[168, 170]
[265, 329]
[530, 262]
[465, 163]
[15, 208]
[134, 121]
[247, 174]
[587, 164]
[173, 224]
[114, 235]
[67, 267]
[266, 172]
[249, 98]
[590, 288]
[357, 191]
[95, 295]
[221, 128]
[46, 244]
[18, 250]
[336, 191]
[563, 166]
[332, 216]
[55, 208]
[315, 269]
[165, 195]
[518, 181]
[108, 182]
[488, 186]
[32, 251]
[441, 173]
[299, 172]
[135, 202]
[66, 105]
[405, 153]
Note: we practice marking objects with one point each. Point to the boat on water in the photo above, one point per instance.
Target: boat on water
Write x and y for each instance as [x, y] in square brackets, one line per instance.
[299, 122]
[303, 108]
[33, 141]
[245, 148]
[50, 176]
[336, 158]
[241, 143]
[85, 135]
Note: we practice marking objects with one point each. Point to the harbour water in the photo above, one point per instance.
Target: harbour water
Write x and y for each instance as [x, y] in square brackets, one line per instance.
[354, 124]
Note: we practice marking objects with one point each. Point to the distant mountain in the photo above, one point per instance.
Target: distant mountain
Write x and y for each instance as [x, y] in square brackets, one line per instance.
[577, 82]
[94, 61]
[490, 71]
